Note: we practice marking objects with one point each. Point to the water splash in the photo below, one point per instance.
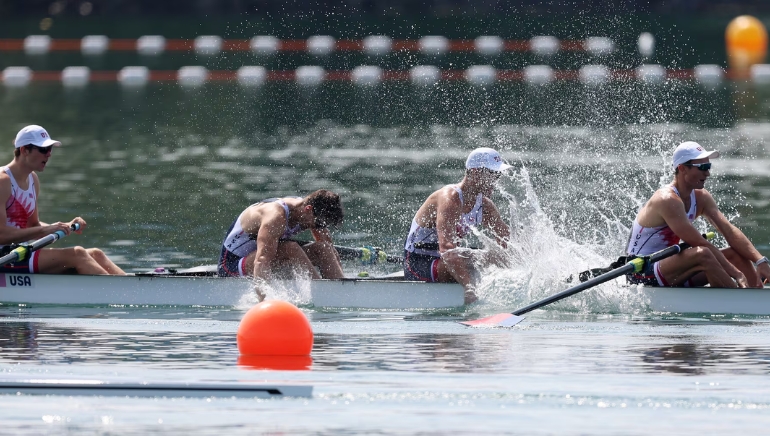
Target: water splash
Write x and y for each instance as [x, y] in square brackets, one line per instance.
[541, 261]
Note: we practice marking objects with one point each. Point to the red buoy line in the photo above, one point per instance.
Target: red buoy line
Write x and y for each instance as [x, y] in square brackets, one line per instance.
[315, 45]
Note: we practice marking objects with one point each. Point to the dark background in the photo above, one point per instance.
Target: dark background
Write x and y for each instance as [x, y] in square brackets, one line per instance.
[123, 8]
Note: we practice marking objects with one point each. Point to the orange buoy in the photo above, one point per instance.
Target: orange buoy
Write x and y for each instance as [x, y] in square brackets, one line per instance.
[746, 39]
[275, 328]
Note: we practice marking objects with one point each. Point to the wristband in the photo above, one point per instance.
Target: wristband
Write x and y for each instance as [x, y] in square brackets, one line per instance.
[761, 260]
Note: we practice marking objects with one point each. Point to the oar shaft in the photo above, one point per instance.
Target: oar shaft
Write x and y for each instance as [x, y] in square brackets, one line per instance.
[364, 254]
[623, 270]
[367, 255]
[627, 268]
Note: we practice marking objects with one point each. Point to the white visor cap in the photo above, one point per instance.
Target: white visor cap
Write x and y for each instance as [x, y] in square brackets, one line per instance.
[35, 135]
[488, 158]
[691, 150]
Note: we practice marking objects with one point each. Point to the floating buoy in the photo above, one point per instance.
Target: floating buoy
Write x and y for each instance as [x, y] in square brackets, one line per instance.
[538, 74]
[544, 45]
[309, 75]
[434, 45]
[320, 45]
[134, 76]
[275, 328]
[377, 45]
[16, 76]
[149, 45]
[708, 75]
[75, 76]
[646, 45]
[208, 45]
[489, 45]
[264, 45]
[251, 75]
[481, 75]
[594, 75]
[599, 45]
[94, 44]
[37, 44]
[192, 76]
[424, 75]
[746, 39]
[651, 73]
[366, 75]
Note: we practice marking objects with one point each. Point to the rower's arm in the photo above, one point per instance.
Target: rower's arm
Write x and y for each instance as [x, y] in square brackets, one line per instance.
[322, 235]
[10, 234]
[493, 220]
[672, 211]
[270, 231]
[736, 239]
[448, 213]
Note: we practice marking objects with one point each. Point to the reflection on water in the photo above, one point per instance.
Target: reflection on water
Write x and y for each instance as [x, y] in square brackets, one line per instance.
[557, 347]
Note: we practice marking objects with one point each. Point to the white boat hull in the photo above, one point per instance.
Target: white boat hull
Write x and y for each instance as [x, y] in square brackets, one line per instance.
[709, 300]
[161, 290]
[215, 291]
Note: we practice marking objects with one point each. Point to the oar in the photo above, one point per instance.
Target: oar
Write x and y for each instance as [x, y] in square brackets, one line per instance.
[366, 255]
[634, 265]
[21, 252]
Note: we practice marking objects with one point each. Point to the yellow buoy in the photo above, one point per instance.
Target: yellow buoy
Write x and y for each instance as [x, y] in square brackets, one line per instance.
[746, 39]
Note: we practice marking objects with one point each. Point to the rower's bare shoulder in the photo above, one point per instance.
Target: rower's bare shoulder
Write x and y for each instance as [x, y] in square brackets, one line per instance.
[5, 183]
[702, 195]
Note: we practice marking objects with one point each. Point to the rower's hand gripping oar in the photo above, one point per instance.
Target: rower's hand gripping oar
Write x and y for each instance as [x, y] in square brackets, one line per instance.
[22, 251]
[634, 265]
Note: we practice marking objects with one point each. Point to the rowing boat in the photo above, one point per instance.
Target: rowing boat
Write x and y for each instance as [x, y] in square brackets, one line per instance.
[199, 287]
[709, 300]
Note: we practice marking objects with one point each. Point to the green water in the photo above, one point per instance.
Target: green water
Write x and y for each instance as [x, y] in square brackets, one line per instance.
[159, 173]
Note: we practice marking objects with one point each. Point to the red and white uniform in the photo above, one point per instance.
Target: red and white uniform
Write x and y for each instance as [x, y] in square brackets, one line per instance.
[18, 208]
[644, 241]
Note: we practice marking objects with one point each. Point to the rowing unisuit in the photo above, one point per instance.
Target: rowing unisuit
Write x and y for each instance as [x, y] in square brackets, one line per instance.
[22, 202]
[238, 244]
[18, 208]
[647, 240]
[421, 248]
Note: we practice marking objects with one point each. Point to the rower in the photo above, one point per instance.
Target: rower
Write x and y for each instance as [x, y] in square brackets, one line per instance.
[430, 252]
[20, 189]
[258, 245]
[667, 218]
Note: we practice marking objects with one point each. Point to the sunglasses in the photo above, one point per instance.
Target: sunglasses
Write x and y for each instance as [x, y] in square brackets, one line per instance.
[42, 150]
[703, 167]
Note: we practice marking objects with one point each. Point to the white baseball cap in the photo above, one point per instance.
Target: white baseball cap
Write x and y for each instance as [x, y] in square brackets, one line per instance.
[35, 135]
[690, 150]
[488, 158]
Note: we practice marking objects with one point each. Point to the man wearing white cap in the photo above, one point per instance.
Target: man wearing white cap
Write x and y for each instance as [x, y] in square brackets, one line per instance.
[447, 216]
[667, 218]
[19, 189]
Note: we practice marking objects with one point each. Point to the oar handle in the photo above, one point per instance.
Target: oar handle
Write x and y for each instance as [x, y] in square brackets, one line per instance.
[21, 252]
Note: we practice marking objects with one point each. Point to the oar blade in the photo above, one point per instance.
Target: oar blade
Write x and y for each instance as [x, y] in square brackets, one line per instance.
[499, 320]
